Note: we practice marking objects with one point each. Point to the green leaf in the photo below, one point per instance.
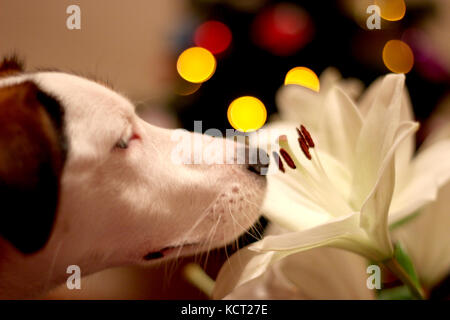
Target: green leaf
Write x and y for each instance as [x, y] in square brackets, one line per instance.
[405, 261]
[397, 293]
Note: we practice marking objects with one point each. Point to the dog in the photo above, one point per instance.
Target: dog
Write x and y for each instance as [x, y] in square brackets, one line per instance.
[84, 181]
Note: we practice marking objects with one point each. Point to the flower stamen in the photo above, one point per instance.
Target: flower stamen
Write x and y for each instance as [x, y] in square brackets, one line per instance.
[304, 147]
[287, 158]
[278, 161]
[307, 136]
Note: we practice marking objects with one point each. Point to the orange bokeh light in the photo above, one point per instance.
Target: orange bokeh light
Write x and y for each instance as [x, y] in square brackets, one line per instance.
[398, 56]
[392, 10]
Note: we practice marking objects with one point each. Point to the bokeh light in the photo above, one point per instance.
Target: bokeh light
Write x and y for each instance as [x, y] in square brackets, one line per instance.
[214, 36]
[186, 88]
[247, 114]
[392, 10]
[398, 56]
[282, 29]
[304, 77]
[196, 65]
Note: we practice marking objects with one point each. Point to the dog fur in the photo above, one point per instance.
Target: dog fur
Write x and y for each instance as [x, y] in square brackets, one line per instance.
[86, 182]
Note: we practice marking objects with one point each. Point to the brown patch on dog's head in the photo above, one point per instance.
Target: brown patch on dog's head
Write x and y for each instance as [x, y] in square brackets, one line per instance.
[10, 66]
[32, 155]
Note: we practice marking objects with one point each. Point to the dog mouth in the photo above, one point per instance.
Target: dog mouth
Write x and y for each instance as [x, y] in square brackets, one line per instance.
[180, 250]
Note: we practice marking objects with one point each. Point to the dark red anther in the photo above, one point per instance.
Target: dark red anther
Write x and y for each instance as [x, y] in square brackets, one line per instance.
[278, 161]
[304, 147]
[307, 137]
[287, 158]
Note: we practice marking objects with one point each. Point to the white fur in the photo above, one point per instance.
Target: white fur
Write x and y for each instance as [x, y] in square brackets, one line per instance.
[117, 205]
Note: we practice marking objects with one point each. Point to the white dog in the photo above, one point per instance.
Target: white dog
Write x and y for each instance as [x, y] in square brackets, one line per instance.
[84, 181]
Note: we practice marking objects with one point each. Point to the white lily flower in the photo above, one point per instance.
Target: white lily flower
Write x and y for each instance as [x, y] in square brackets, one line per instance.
[357, 175]
[321, 273]
[338, 192]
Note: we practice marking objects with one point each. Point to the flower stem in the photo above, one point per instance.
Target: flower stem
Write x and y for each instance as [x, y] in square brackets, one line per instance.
[198, 277]
[393, 266]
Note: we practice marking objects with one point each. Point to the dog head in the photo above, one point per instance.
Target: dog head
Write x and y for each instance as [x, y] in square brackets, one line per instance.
[75, 150]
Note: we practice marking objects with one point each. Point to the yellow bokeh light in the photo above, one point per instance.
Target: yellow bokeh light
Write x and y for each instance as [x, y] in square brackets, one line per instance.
[398, 56]
[392, 10]
[247, 114]
[304, 77]
[196, 65]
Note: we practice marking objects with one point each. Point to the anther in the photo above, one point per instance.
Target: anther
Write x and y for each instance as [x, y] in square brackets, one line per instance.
[307, 136]
[278, 161]
[304, 148]
[287, 158]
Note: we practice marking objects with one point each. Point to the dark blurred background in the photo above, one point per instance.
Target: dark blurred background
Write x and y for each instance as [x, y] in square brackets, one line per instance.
[336, 36]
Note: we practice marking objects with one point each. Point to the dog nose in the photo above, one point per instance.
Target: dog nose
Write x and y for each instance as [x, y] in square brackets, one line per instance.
[261, 165]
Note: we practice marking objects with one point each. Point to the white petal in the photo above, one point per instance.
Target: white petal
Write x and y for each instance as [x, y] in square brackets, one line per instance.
[406, 149]
[340, 126]
[328, 78]
[430, 169]
[286, 207]
[367, 98]
[375, 211]
[377, 136]
[427, 239]
[306, 275]
[374, 90]
[338, 174]
[310, 272]
[271, 285]
[303, 275]
[299, 105]
[242, 267]
[318, 236]
[331, 77]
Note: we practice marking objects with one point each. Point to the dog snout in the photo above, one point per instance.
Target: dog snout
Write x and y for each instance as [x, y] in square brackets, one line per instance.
[259, 163]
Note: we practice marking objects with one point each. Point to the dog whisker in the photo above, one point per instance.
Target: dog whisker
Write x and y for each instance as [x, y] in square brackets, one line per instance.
[52, 265]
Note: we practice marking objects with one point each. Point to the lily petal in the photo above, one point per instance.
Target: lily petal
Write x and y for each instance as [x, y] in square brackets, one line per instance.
[375, 211]
[377, 137]
[289, 209]
[340, 126]
[430, 170]
[242, 267]
[372, 92]
[299, 104]
[304, 275]
[427, 239]
[368, 97]
[405, 151]
[331, 77]
[307, 275]
[307, 239]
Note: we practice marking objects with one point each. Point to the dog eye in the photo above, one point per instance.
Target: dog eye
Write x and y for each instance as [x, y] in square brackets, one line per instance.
[122, 144]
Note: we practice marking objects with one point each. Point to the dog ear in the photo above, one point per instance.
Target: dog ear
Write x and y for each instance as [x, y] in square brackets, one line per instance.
[32, 156]
[10, 66]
